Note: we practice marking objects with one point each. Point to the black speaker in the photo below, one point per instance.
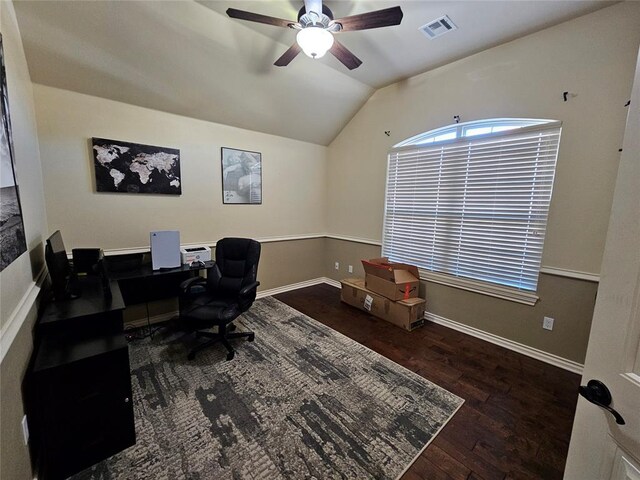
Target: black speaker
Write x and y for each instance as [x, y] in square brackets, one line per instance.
[103, 271]
[85, 259]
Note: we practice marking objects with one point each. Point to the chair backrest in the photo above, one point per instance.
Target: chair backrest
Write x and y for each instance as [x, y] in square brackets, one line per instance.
[237, 261]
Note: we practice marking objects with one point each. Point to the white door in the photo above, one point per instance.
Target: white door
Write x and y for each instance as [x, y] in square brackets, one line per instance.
[601, 449]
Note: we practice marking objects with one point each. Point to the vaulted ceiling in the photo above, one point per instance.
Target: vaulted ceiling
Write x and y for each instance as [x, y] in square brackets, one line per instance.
[189, 58]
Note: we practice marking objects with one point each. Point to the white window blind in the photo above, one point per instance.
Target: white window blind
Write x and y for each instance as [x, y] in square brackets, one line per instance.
[473, 208]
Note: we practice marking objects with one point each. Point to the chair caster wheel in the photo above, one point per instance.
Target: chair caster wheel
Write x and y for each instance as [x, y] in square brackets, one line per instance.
[251, 337]
[191, 356]
[230, 355]
[232, 327]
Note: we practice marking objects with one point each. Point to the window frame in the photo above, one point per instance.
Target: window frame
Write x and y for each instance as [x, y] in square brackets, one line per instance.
[498, 290]
[460, 129]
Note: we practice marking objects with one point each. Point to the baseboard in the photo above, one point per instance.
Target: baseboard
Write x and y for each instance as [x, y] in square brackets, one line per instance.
[295, 286]
[143, 322]
[332, 282]
[543, 356]
[546, 357]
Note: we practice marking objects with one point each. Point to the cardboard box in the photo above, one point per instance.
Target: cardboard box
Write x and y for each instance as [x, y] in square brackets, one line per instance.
[397, 281]
[408, 314]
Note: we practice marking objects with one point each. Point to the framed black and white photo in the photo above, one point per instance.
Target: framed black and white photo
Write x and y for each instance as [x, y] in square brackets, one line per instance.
[12, 237]
[241, 176]
[136, 168]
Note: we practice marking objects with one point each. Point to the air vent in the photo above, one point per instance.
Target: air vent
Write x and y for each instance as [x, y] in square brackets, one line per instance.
[438, 27]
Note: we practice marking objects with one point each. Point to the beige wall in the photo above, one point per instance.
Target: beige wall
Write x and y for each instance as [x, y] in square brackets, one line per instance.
[15, 462]
[592, 56]
[17, 279]
[294, 193]
[28, 172]
[347, 253]
[285, 263]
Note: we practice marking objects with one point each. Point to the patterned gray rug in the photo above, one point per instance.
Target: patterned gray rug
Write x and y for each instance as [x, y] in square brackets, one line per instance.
[301, 402]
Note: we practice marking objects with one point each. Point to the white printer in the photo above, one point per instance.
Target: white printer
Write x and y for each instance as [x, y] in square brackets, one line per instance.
[195, 254]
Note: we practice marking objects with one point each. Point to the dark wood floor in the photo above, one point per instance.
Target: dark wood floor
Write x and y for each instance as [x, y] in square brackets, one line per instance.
[518, 412]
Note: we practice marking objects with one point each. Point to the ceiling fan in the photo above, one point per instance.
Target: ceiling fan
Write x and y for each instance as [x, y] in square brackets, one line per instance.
[316, 28]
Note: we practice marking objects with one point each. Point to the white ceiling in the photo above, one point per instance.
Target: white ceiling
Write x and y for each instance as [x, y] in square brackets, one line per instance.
[190, 59]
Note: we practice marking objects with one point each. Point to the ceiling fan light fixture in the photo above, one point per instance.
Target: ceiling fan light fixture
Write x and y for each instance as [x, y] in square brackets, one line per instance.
[314, 41]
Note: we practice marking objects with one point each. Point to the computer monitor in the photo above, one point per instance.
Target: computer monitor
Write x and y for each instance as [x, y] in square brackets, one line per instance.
[59, 268]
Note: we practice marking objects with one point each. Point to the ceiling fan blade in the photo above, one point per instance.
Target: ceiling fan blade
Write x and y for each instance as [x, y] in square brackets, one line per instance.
[256, 17]
[343, 54]
[376, 19]
[289, 55]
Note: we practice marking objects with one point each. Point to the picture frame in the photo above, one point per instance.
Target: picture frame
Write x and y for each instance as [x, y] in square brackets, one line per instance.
[13, 242]
[126, 167]
[241, 177]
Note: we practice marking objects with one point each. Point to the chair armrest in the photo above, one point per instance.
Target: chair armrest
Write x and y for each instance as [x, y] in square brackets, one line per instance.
[248, 289]
[189, 283]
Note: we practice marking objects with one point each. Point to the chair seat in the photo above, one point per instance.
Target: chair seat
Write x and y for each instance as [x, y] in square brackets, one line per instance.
[206, 311]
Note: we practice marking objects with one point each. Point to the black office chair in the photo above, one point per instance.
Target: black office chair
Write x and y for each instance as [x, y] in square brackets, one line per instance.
[228, 291]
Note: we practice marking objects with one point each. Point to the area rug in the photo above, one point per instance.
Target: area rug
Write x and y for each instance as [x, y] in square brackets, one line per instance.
[301, 402]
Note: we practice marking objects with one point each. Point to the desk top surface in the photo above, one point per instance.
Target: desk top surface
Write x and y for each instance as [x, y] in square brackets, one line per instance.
[91, 302]
[146, 270]
[62, 348]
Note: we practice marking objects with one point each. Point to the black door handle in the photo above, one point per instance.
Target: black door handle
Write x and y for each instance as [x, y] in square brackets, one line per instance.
[597, 393]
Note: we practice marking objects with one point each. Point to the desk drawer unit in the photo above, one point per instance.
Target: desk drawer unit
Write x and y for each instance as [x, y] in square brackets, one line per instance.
[82, 403]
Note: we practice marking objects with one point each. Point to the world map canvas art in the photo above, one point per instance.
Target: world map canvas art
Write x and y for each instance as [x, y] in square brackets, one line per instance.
[136, 168]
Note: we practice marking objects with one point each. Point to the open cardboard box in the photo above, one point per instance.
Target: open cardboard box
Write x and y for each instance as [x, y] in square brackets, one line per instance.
[397, 281]
[408, 314]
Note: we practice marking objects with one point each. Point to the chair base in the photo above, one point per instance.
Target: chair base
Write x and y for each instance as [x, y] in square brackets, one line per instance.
[223, 337]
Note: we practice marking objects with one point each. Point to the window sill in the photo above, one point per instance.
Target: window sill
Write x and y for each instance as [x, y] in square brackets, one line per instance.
[482, 288]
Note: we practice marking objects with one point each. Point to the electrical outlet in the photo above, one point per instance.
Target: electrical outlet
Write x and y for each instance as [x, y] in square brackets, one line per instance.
[25, 430]
[337, 267]
[547, 323]
[350, 268]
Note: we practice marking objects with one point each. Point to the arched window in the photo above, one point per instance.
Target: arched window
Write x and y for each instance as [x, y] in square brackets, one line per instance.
[468, 204]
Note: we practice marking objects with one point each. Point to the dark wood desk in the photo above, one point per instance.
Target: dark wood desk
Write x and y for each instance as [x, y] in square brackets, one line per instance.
[92, 311]
[80, 408]
[143, 284]
[145, 271]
